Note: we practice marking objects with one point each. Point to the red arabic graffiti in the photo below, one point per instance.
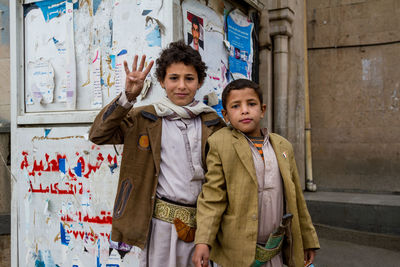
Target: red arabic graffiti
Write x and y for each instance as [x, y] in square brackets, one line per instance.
[105, 218]
[87, 235]
[59, 164]
[71, 189]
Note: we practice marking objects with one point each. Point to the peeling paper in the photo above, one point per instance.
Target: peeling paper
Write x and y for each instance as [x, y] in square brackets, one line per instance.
[41, 74]
[120, 71]
[70, 88]
[51, 8]
[46, 210]
[96, 4]
[46, 132]
[153, 32]
[95, 78]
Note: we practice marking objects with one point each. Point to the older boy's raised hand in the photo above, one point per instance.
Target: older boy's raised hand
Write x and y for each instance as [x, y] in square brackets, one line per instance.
[135, 79]
[201, 255]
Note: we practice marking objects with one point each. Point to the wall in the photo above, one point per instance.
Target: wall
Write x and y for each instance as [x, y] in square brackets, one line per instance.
[5, 187]
[293, 128]
[65, 185]
[354, 50]
[4, 108]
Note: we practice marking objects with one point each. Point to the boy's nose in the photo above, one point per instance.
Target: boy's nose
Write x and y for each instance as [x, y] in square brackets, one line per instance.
[181, 83]
[245, 110]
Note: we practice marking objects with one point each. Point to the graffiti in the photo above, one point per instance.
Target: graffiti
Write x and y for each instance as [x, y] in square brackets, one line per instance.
[105, 218]
[59, 164]
[53, 189]
[91, 236]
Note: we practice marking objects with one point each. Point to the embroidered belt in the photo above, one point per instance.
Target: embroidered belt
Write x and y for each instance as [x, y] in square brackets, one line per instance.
[274, 243]
[264, 254]
[168, 212]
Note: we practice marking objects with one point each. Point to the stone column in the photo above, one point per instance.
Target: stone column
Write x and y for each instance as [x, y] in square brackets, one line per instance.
[281, 31]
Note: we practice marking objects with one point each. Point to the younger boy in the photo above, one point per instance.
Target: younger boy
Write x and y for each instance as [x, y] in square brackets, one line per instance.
[251, 182]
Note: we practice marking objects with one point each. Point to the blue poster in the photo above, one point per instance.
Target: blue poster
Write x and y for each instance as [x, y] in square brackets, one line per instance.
[239, 33]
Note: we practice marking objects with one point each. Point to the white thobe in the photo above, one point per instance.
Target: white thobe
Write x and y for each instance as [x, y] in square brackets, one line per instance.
[180, 180]
[270, 194]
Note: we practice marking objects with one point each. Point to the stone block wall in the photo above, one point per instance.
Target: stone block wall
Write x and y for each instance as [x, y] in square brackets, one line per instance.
[354, 53]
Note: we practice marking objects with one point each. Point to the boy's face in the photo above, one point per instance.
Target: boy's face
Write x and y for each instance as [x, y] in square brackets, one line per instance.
[181, 83]
[195, 33]
[244, 111]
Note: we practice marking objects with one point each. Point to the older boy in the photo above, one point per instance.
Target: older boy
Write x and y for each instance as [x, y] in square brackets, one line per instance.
[252, 181]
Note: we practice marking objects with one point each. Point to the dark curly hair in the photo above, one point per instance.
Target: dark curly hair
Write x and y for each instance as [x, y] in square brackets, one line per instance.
[178, 52]
[240, 84]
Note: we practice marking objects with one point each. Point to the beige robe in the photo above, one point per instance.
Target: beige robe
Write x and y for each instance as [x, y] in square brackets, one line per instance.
[180, 180]
[270, 194]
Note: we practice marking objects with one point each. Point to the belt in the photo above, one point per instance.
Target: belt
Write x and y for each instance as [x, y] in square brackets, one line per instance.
[167, 212]
[264, 254]
[274, 243]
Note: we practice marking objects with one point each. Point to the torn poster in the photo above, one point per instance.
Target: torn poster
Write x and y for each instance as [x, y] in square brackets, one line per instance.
[49, 36]
[120, 71]
[95, 78]
[70, 68]
[195, 34]
[51, 8]
[41, 86]
[96, 4]
[239, 35]
[152, 32]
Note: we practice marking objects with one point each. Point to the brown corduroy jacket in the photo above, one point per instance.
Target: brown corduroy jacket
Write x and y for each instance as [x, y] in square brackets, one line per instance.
[139, 129]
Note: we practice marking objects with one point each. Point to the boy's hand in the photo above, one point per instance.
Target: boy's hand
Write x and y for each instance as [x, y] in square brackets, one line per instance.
[135, 78]
[309, 255]
[201, 255]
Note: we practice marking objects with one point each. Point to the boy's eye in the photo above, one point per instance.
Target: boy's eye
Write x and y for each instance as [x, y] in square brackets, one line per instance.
[235, 106]
[190, 78]
[253, 104]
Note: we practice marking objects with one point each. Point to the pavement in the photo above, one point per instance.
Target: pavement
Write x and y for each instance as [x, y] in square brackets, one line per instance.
[356, 229]
[335, 253]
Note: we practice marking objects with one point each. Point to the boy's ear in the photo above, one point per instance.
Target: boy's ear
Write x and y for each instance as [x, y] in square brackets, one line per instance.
[200, 85]
[225, 115]
[263, 110]
[162, 84]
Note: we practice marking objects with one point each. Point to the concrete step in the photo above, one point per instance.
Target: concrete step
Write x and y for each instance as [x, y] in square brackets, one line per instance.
[387, 242]
[334, 253]
[371, 213]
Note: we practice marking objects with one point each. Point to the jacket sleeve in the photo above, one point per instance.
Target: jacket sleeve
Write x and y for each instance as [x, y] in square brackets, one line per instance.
[308, 233]
[212, 200]
[110, 124]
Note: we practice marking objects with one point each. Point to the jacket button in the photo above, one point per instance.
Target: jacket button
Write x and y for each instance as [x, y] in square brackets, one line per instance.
[254, 217]
[152, 197]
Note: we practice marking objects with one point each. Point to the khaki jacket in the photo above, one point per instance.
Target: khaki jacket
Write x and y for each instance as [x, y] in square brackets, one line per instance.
[227, 208]
[139, 129]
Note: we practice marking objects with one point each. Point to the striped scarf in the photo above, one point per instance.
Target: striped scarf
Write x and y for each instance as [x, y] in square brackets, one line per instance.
[167, 109]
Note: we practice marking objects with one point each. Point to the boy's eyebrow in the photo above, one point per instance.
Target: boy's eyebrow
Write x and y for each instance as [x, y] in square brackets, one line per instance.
[186, 74]
[246, 99]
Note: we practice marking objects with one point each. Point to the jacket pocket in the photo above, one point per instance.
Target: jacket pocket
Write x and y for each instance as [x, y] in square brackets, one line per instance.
[122, 198]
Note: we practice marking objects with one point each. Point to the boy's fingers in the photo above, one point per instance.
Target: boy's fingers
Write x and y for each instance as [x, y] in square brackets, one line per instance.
[311, 255]
[197, 261]
[205, 262]
[134, 64]
[142, 61]
[126, 67]
[148, 68]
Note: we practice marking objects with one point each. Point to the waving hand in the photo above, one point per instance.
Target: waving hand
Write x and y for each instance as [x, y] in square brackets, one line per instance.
[135, 78]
